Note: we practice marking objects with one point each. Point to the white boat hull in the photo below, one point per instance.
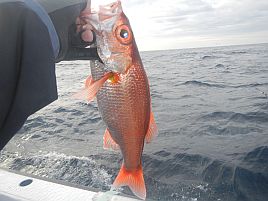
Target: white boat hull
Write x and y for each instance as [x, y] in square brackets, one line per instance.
[18, 187]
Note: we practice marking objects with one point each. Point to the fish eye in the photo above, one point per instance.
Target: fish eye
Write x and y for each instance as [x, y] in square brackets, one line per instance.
[124, 33]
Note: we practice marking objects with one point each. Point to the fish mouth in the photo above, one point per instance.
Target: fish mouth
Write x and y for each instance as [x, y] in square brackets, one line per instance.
[103, 18]
[110, 10]
[103, 22]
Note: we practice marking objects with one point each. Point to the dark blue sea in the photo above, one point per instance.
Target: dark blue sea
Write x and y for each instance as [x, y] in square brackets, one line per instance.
[211, 108]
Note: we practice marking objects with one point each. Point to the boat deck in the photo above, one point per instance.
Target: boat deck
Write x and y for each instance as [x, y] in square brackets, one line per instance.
[18, 187]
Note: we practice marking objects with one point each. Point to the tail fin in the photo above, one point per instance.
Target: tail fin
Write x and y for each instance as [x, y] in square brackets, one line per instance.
[132, 178]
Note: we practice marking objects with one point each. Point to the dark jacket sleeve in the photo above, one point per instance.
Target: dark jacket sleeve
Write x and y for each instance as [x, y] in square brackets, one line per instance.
[27, 68]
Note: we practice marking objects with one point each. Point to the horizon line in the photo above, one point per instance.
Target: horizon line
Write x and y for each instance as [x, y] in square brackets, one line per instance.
[183, 48]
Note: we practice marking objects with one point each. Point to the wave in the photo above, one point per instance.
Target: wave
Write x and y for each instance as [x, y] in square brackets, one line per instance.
[250, 85]
[258, 157]
[238, 52]
[243, 181]
[208, 57]
[199, 83]
[208, 176]
[258, 117]
[214, 130]
[219, 66]
[168, 175]
[232, 123]
[205, 84]
[78, 170]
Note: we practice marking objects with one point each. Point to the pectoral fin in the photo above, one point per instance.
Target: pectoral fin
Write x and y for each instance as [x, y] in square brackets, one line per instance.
[91, 88]
[89, 81]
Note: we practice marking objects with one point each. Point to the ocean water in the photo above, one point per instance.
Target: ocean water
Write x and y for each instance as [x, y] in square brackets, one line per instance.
[211, 108]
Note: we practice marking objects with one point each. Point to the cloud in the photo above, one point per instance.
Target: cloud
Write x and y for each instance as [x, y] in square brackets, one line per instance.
[167, 24]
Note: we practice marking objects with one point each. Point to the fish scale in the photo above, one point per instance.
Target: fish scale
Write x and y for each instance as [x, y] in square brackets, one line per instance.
[131, 104]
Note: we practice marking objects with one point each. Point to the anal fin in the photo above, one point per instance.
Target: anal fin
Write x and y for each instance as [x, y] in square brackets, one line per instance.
[152, 130]
[108, 142]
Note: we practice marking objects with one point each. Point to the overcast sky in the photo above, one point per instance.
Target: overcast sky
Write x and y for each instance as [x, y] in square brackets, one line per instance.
[175, 24]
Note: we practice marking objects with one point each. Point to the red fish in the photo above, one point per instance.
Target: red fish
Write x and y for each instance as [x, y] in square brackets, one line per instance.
[123, 95]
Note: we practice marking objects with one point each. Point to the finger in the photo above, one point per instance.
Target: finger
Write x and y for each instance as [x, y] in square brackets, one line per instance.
[87, 36]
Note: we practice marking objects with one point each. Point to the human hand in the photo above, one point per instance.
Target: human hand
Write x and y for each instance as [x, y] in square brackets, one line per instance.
[83, 26]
